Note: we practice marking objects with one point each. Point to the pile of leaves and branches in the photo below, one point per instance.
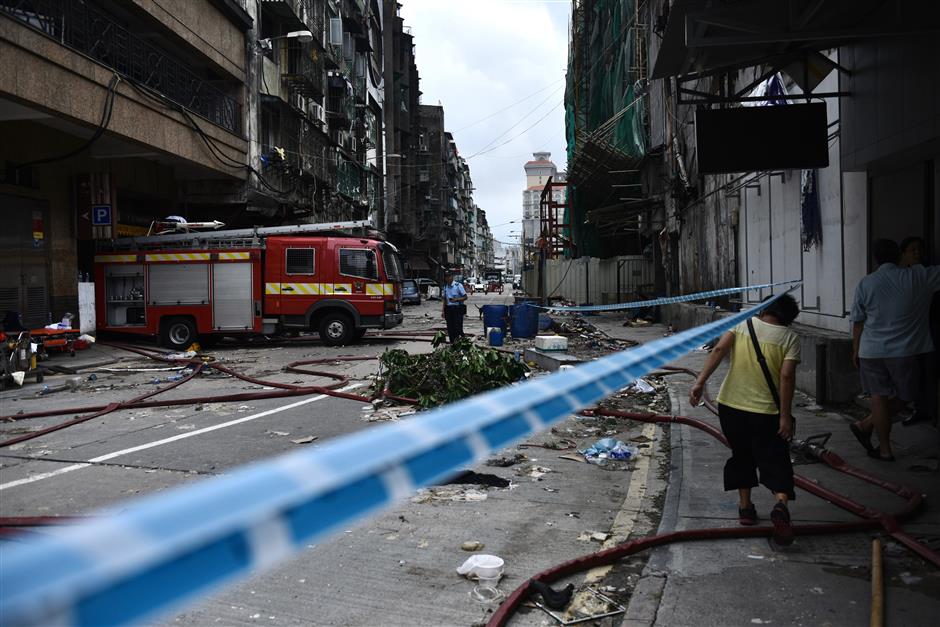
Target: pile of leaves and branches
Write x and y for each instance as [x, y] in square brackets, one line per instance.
[448, 373]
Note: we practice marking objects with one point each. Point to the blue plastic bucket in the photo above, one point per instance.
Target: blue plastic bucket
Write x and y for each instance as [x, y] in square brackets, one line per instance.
[525, 321]
[545, 322]
[495, 336]
[495, 316]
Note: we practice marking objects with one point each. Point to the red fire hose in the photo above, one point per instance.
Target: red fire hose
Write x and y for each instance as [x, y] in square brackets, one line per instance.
[871, 518]
[198, 365]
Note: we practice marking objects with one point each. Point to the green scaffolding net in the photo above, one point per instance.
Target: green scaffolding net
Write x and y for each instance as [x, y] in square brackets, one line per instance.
[605, 112]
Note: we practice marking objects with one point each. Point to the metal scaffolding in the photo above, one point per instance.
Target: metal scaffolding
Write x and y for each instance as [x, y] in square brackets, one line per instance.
[553, 224]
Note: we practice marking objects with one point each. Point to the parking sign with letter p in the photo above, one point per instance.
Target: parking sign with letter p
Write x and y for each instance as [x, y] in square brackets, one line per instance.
[101, 215]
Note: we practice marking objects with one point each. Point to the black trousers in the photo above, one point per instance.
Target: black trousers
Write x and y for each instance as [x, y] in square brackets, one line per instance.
[453, 315]
[756, 446]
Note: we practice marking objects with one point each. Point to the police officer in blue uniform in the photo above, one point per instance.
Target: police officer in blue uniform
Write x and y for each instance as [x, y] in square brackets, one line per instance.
[453, 297]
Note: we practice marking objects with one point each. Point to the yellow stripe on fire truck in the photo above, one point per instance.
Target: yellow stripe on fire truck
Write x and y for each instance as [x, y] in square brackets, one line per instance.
[115, 258]
[233, 256]
[178, 257]
[380, 289]
[325, 289]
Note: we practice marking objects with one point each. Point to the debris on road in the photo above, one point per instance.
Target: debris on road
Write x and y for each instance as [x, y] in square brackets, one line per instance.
[472, 546]
[480, 564]
[306, 439]
[448, 373]
[504, 462]
[596, 536]
[469, 477]
[554, 599]
[555, 445]
[387, 414]
[643, 386]
[184, 356]
[534, 471]
[448, 493]
[608, 449]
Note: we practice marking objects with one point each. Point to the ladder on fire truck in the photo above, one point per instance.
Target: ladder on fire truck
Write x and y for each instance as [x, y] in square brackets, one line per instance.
[230, 238]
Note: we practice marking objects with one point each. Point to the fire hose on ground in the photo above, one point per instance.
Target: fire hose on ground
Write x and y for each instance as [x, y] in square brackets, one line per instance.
[230, 517]
[283, 390]
[13, 525]
[871, 519]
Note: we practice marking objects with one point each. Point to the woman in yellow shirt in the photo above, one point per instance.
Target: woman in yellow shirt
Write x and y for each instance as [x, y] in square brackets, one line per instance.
[758, 430]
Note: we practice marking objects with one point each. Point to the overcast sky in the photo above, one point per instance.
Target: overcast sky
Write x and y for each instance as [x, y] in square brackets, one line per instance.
[477, 57]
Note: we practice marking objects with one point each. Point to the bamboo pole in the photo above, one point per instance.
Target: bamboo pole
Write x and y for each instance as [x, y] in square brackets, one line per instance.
[877, 585]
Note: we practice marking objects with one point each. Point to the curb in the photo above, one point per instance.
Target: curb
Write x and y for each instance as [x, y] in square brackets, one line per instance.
[647, 594]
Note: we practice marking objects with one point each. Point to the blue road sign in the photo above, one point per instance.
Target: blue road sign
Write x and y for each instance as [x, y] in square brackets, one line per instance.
[101, 215]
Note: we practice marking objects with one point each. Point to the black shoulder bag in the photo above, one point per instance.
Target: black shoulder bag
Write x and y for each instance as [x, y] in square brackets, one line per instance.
[763, 363]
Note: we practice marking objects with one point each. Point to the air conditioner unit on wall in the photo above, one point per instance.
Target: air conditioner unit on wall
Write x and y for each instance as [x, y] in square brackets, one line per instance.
[336, 31]
[296, 100]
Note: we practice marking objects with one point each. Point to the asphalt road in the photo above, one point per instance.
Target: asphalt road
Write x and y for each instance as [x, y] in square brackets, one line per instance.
[397, 569]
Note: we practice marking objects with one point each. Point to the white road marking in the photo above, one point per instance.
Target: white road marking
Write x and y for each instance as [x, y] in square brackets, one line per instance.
[181, 436]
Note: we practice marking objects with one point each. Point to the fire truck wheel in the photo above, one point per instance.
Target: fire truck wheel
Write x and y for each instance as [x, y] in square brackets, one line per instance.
[177, 333]
[336, 329]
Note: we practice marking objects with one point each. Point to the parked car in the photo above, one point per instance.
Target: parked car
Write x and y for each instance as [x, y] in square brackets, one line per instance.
[424, 284]
[409, 293]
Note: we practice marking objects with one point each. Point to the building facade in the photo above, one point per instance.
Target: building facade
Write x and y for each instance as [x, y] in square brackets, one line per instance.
[871, 173]
[118, 113]
[113, 114]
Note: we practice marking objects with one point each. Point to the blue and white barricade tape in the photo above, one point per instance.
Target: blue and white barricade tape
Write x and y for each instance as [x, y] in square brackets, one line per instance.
[668, 300]
[164, 549]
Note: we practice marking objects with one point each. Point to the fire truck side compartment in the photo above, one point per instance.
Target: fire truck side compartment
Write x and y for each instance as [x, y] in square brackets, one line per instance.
[232, 298]
[179, 284]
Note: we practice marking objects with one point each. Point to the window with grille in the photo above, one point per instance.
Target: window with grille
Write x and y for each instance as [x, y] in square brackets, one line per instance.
[358, 262]
[300, 260]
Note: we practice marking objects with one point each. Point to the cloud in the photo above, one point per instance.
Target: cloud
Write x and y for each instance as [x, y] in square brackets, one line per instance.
[478, 56]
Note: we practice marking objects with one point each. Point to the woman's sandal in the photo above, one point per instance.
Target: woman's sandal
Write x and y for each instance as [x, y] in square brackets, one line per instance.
[877, 455]
[863, 439]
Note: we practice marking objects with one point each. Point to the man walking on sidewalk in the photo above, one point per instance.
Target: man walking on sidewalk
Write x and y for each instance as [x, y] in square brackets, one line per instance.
[756, 419]
[890, 333]
[453, 296]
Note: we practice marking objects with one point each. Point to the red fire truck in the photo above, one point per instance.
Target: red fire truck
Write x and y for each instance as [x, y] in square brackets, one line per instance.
[189, 286]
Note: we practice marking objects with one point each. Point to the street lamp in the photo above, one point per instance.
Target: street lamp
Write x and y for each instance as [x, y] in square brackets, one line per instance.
[303, 36]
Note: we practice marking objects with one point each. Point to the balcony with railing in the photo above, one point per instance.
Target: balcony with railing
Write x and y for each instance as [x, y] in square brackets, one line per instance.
[78, 25]
[302, 67]
[339, 104]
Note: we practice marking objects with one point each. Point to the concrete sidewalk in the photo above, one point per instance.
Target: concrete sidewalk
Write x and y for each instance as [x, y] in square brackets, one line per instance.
[817, 581]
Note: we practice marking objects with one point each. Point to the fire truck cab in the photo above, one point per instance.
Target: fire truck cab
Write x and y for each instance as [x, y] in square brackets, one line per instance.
[203, 286]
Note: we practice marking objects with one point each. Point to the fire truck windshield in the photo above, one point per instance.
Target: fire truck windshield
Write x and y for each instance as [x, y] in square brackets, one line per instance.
[392, 264]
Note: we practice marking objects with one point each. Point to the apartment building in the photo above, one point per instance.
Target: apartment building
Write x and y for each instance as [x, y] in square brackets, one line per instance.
[113, 113]
[118, 113]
